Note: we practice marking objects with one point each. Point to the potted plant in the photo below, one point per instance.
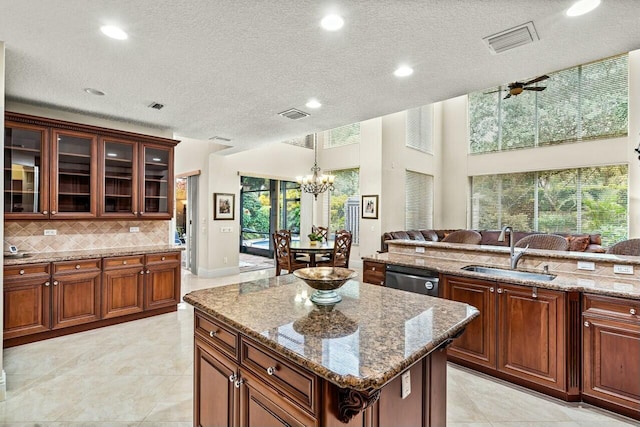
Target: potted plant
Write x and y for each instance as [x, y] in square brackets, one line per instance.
[314, 238]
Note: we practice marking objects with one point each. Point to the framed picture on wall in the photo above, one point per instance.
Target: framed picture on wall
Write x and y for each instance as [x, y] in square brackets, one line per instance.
[223, 206]
[370, 207]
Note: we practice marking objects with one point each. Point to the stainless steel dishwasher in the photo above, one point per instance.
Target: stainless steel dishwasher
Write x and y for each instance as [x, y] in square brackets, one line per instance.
[412, 279]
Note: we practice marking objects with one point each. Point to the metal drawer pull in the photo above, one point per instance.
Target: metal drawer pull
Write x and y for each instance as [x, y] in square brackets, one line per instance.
[53, 212]
[142, 272]
[213, 333]
[632, 311]
[47, 283]
[162, 259]
[21, 272]
[55, 283]
[45, 213]
[77, 266]
[586, 324]
[535, 292]
[272, 370]
[491, 289]
[499, 290]
[124, 262]
[232, 378]
[238, 383]
[148, 272]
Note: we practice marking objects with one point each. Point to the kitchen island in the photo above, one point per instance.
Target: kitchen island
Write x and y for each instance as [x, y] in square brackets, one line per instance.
[265, 355]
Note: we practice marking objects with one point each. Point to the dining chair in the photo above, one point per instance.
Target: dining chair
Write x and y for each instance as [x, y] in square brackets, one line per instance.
[341, 250]
[323, 231]
[284, 257]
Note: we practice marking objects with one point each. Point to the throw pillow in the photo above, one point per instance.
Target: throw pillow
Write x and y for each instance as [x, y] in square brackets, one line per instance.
[578, 243]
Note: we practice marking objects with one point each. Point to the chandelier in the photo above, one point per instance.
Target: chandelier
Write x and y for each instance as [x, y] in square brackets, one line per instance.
[317, 182]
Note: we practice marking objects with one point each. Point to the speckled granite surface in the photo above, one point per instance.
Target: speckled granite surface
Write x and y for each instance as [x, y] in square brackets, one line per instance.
[365, 341]
[590, 282]
[93, 253]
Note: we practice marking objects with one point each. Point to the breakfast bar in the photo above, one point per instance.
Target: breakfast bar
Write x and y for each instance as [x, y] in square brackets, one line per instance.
[265, 354]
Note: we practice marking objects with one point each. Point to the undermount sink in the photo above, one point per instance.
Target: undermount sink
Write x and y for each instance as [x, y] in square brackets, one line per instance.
[18, 255]
[502, 272]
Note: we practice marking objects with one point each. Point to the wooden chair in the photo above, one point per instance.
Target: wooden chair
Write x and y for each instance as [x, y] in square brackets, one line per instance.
[552, 242]
[626, 247]
[323, 231]
[284, 257]
[470, 237]
[341, 250]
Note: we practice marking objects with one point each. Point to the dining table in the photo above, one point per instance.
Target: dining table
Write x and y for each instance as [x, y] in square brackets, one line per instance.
[305, 247]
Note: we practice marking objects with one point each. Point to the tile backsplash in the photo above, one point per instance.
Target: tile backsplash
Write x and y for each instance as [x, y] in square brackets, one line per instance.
[82, 235]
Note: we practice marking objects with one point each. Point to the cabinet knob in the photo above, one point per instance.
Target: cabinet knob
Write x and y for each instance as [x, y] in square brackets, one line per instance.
[534, 294]
[142, 272]
[124, 262]
[586, 324]
[53, 212]
[491, 289]
[499, 290]
[373, 269]
[45, 212]
[632, 311]
[163, 258]
[47, 283]
[148, 272]
[141, 212]
[272, 370]
[55, 283]
[135, 213]
[213, 333]
[232, 378]
[238, 383]
[77, 266]
[21, 272]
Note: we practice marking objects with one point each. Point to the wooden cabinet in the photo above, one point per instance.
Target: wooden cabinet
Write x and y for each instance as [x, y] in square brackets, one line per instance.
[62, 170]
[611, 353]
[27, 300]
[122, 286]
[519, 335]
[373, 272]
[76, 293]
[162, 281]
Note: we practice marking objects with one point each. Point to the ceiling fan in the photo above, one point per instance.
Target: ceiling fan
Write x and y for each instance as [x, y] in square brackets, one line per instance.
[516, 88]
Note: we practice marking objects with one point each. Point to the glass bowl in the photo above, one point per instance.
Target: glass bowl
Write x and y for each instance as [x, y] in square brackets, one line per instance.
[325, 280]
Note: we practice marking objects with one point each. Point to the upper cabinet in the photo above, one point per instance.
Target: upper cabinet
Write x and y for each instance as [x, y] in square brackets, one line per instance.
[62, 170]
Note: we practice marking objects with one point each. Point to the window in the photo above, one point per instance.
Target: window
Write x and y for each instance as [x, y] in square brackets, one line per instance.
[585, 102]
[304, 141]
[344, 203]
[585, 200]
[419, 201]
[344, 135]
[420, 128]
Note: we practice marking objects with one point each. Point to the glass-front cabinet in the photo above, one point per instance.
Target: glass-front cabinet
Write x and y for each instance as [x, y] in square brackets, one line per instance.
[26, 181]
[157, 189]
[119, 161]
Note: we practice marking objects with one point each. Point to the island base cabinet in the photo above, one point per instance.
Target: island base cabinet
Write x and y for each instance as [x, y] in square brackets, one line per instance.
[611, 354]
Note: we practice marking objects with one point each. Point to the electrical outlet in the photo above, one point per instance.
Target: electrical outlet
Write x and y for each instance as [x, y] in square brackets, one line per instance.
[406, 384]
[50, 232]
[134, 229]
[622, 269]
[419, 250]
[586, 265]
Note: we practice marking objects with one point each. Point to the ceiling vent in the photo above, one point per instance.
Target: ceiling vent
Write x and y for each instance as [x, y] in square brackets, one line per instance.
[156, 106]
[294, 114]
[219, 138]
[512, 38]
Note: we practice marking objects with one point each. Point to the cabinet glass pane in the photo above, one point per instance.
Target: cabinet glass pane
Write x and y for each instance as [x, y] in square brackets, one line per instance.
[22, 170]
[156, 173]
[74, 174]
[118, 177]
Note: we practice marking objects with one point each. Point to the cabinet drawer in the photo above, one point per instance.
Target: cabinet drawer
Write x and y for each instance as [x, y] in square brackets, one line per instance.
[164, 257]
[123, 262]
[299, 386]
[373, 272]
[217, 335]
[612, 307]
[84, 265]
[26, 272]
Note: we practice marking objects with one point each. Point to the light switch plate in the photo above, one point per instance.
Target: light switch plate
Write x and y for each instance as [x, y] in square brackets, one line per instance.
[419, 250]
[586, 265]
[226, 229]
[50, 232]
[622, 269]
[406, 384]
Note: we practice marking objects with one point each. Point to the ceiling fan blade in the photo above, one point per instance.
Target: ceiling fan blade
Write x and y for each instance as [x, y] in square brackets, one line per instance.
[537, 79]
[537, 88]
[508, 96]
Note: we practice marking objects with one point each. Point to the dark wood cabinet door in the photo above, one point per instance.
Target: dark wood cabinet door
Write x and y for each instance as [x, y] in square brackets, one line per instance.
[156, 191]
[262, 406]
[611, 362]
[26, 307]
[122, 292]
[76, 299]
[162, 283]
[531, 334]
[119, 184]
[478, 343]
[215, 394]
[373, 272]
[74, 174]
[26, 171]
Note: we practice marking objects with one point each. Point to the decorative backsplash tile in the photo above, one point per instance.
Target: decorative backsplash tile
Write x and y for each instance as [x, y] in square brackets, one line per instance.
[83, 235]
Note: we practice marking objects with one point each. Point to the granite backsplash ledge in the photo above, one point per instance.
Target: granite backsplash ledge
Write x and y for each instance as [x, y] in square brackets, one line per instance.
[28, 236]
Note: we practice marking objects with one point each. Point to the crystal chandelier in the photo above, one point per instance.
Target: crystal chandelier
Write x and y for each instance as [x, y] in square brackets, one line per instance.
[316, 183]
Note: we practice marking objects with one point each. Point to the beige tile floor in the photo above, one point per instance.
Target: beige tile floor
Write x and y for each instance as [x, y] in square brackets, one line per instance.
[140, 374]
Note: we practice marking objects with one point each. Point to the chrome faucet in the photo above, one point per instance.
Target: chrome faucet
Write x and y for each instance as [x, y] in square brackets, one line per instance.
[515, 257]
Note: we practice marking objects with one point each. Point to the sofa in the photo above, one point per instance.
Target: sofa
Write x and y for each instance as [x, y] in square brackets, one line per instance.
[577, 242]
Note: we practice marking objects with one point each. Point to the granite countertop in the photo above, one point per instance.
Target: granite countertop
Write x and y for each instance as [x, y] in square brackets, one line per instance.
[38, 257]
[370, 337]
[587, 282]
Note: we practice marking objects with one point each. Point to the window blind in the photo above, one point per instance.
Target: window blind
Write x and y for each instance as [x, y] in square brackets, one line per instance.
[419, 127]
[418, 201]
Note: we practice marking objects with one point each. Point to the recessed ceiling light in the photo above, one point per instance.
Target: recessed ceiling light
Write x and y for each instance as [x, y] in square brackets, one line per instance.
[114, 32]
[582, 6]
[313, 103]
[403, 71]
[93, 91]
[332, 22]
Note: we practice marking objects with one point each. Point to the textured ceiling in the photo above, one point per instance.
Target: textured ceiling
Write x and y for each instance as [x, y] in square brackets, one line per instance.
[228, 68]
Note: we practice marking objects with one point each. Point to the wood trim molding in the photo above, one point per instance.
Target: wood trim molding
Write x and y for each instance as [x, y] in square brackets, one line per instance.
[352, 402]
[187, 174]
